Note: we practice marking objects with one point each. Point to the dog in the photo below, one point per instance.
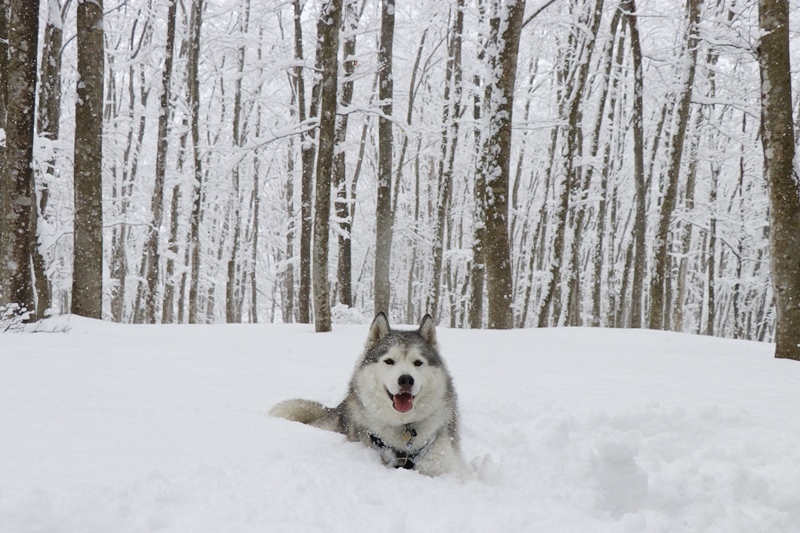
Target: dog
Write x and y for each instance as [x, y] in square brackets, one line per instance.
[401, 402]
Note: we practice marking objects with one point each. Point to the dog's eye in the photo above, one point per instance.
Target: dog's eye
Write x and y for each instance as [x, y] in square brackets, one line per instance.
[417, 363]
[389, 361]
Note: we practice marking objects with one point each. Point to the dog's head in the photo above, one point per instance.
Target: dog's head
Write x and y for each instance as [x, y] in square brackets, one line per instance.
[401, 372]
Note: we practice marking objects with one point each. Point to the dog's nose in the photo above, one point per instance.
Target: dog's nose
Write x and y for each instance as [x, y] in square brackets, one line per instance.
[405, 381]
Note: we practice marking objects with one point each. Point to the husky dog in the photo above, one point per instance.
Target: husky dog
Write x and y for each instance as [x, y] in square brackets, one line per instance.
[401, 402]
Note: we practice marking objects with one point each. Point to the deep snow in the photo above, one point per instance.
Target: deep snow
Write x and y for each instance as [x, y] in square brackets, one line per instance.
[143, 428]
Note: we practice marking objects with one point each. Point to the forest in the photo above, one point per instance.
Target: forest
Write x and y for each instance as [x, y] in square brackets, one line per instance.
[496, 163]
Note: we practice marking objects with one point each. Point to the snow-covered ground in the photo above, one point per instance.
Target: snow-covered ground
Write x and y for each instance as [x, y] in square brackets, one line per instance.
[112, 428]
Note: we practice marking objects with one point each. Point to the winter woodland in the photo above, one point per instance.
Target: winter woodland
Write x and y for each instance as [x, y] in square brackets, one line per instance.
[586, 162]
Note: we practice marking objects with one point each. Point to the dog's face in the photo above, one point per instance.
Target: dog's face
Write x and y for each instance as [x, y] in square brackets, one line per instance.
[400, 371]
[401, 375]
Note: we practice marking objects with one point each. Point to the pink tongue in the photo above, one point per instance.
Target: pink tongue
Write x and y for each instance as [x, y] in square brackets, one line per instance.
[403, 402]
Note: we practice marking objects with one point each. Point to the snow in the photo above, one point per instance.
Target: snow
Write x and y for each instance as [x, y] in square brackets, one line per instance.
[138, 428]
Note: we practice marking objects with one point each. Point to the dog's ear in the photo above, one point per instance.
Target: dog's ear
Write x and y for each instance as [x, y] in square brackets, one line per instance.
[378, 330]
[427, 329]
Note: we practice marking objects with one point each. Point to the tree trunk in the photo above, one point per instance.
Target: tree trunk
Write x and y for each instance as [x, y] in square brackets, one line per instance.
[307, 158]
[4, 14]
[383, 208]
[777, 136]
[328, 41]
[118, 269]
[175, 291]
[576, 173]
[450, 125]
[233, 299]
[572, 74]
[288, 272]
[504, 43]
[49, 111]
[256, 234]
[344, 263]
[686, 233]
[168, 303]
[477, 271]
[152, 254]
[412, 263]
[712, 244]
[661, 258]
[640, 220]
[87, 276]
[193, 78]
[17, 195]
[603, 204]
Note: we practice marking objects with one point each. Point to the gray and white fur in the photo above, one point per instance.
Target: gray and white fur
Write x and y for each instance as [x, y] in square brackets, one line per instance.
[401, 402]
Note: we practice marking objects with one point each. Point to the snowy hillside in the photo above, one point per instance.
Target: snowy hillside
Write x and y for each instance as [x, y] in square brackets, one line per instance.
[145, 428]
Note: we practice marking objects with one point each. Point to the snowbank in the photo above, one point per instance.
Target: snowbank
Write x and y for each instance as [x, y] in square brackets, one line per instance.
[139, 428]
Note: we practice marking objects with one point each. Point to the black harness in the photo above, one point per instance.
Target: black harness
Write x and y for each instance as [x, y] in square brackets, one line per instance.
[401, 458]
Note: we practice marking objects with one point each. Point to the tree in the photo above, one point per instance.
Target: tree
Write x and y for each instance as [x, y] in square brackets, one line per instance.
[574, 72]
[48, 127]
[577, 173]
[383, 209]
[307, 150]
[682, 108]
[4, 182]
[193, 77]
[123, 189]
[233, 305]
[87, 275]
[152, 255]
[17, 195]
[506, 25]
[330, 18]
[477, 271]
[639, 224]
[777, 134]
[343, 210]
[450, 124]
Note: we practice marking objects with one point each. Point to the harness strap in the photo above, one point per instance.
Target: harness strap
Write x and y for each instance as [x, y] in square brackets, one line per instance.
[400, 458]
